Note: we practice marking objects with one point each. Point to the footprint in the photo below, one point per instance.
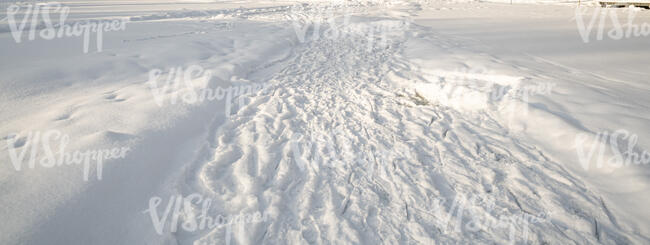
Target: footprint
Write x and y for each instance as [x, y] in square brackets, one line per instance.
[11, 136]
[113, 97]
[62, 117]
[20, 142]
[115, 136]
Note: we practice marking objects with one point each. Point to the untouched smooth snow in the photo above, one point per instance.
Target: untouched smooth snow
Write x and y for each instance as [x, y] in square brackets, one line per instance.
[366, 122]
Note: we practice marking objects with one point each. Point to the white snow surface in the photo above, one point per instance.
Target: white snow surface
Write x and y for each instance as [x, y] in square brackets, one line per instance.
[426, 96]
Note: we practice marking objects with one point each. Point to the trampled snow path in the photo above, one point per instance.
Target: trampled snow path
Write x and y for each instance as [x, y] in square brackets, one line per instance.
[401, 144]
[338, 152]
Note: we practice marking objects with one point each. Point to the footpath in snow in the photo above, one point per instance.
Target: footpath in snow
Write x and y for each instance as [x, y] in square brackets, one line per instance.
[323, 123]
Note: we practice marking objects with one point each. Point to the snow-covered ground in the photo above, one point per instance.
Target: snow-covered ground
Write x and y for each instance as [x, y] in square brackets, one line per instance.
[332, 122]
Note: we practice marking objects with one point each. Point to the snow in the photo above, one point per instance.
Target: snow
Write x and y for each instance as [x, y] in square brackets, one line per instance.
[240, 122]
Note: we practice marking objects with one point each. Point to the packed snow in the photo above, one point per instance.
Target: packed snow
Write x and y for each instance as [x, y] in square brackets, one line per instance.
[324, 122]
